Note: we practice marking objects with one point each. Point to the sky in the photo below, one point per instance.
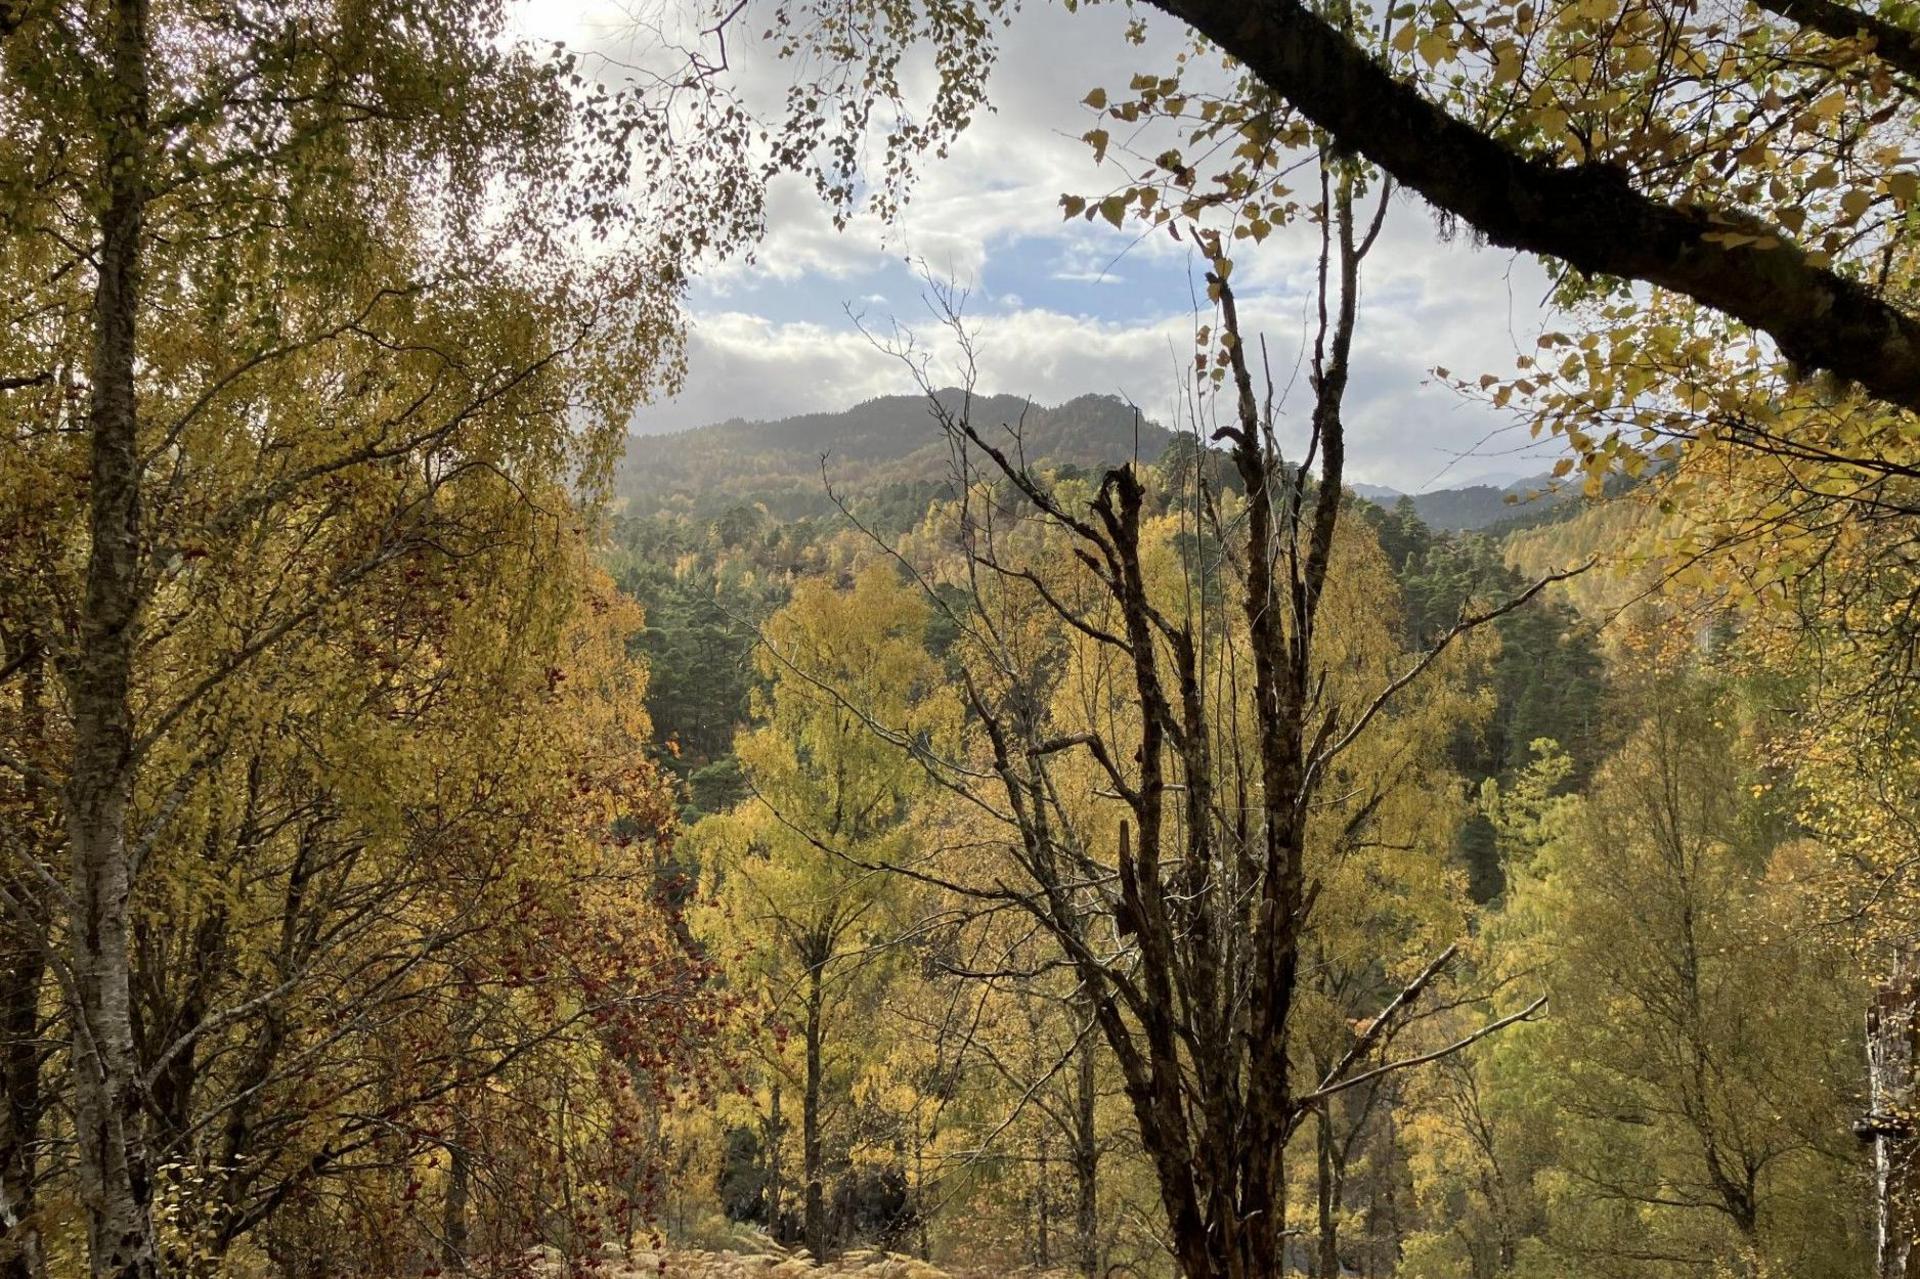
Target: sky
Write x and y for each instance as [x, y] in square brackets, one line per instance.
[1060, 309]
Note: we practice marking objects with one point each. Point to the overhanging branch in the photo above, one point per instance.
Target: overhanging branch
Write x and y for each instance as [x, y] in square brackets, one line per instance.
[1589, 216]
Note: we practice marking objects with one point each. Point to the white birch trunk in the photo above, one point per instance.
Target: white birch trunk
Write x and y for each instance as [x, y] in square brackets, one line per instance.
[115, 1182]
[1893, 1034]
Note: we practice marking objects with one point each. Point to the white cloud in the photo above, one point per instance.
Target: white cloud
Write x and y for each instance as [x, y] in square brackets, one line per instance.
[1002, 178]
[1403, 429]
[1425, 302]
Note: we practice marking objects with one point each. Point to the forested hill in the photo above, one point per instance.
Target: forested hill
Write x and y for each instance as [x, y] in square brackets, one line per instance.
[717, 524]
[893, 443]
[1476, 506]
[733, 516]
[891, 440]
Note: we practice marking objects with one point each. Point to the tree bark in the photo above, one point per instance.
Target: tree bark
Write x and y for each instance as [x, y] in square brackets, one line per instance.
[815, 1226]
[920, 1214]
[1588, 215]
[1042, 1241]
[114, 1178]
[23, 973]
[776, 1192]
[1327, 1196]
[1086, 1163]
[1893, 44]
[21, 976]
[459, 1183]
[454, 1228]
[1893, 1051]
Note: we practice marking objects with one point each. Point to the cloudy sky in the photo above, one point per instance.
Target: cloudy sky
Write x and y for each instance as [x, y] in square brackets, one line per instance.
[1063, 308]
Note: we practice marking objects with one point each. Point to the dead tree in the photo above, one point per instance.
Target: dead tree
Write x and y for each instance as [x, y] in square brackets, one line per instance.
[1185, 932]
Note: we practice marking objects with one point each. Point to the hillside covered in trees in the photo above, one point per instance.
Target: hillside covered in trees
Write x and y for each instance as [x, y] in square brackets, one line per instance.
[789, 467]
[442, 833]
[1477, 506]
[1563, 796]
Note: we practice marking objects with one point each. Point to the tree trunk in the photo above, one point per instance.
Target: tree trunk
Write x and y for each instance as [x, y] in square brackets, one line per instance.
[920, 1197]
[1327, 1196]
[112, 1161]
[459, 1183]
[1086, 1163]
[23, 972]
[454, 1232]
[1893, 1050]
[1042, 1243]
[1384, 1217]
[776, 1193]
[815, 1226]
[21, 975]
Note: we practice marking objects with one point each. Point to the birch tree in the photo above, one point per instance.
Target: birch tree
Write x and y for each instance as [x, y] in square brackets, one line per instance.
[284, 284]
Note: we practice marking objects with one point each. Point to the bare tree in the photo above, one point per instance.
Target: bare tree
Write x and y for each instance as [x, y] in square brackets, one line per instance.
[1185, 932]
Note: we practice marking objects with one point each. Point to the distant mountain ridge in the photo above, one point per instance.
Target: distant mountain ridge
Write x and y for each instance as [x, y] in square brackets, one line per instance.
[893, 442]
[889, 440]
[1473, 506]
